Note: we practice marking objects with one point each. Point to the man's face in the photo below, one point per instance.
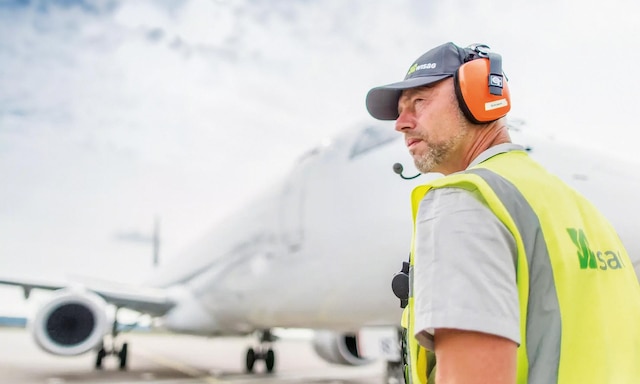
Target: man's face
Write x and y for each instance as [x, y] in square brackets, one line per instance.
[432, 124]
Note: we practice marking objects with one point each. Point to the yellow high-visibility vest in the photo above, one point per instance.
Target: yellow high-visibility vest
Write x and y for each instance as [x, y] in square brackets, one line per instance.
[578, 293]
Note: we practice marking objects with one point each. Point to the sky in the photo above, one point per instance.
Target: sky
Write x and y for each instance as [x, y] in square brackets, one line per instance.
[114, 114]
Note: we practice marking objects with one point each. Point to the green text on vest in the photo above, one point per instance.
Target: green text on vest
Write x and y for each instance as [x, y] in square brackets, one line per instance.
[588, 258]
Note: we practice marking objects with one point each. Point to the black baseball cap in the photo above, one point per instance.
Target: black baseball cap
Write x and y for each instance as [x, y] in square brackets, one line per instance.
[435, 65]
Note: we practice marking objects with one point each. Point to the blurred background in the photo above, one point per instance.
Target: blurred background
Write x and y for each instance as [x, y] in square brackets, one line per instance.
[118, 116]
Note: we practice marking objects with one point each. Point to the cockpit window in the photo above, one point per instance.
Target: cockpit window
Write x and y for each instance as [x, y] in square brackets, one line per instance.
[372, 137]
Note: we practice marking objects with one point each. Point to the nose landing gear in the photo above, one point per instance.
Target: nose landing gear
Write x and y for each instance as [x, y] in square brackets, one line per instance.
[262, 352]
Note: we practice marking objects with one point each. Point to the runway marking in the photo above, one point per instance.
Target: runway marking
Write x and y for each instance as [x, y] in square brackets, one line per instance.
[147, 376]
[283, 377]
[55, 380]
[180, 367]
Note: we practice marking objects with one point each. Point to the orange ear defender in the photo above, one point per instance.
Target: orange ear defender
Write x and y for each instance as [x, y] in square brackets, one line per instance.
[481, 87]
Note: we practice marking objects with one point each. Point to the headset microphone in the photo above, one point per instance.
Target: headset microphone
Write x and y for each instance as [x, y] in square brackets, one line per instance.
[397, 168]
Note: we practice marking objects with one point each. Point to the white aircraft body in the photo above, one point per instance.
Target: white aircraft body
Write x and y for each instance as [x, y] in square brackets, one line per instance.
[318, 250]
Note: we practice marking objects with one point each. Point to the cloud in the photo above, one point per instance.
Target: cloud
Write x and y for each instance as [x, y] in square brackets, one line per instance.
[113, 112]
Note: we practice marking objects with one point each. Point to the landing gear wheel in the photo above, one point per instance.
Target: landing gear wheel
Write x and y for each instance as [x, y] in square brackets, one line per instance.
[251, 359]
[123, 356]
[270, 360]
[99, 357]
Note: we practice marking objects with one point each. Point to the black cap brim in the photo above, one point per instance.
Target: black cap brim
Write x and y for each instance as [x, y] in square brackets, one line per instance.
[382, 102]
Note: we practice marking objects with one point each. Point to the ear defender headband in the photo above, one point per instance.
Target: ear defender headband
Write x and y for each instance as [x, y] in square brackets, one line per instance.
[481, 87]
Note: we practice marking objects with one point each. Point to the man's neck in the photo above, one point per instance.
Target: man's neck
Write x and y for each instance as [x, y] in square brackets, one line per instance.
[479, 140]
[486, 138]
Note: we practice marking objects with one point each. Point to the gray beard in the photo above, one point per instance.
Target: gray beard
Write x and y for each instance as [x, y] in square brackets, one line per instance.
[430, 159]
[436, 154]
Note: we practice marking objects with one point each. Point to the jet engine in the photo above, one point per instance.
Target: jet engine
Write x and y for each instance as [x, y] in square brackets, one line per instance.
[338, 348]
[70, 322]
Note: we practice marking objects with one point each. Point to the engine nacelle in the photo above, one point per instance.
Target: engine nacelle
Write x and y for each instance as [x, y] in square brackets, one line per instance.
[338, 348]
[70, 322]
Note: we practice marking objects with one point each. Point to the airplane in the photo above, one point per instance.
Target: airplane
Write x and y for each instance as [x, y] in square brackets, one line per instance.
[317, 250]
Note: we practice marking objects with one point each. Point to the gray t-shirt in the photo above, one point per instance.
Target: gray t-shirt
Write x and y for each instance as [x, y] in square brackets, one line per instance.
[464, 273]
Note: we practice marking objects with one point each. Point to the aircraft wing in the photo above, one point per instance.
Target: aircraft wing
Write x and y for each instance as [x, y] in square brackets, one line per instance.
[155, 302]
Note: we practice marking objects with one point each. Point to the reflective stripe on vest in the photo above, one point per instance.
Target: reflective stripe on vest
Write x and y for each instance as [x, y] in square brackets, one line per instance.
[540, 350]
[588, 354]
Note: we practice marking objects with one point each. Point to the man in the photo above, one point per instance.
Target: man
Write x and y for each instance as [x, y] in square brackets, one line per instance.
[506, 284]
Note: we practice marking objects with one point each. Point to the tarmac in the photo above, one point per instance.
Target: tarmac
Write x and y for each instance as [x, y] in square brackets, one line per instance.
[156, 358]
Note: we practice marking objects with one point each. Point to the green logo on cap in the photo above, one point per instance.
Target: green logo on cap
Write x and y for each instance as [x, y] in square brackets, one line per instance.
[412, 69]
[416, 67]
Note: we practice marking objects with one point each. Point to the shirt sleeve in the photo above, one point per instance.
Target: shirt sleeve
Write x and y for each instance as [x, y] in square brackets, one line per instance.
[464, 273]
